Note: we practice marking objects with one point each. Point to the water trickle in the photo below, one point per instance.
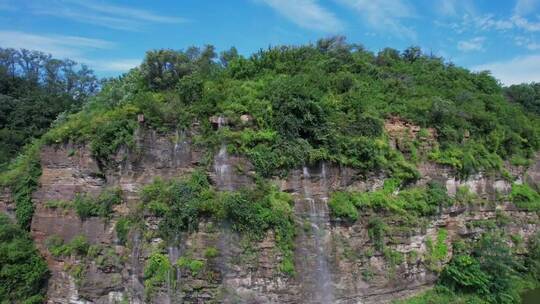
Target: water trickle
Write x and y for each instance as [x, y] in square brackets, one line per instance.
[324, 186]
[313, 266]
[136, 286]
[222, 167]
[181, 151]
[173, 252]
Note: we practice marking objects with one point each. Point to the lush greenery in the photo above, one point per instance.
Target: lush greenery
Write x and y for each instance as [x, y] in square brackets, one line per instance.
[22, 179]
[525, 197]
[409, 202]
[88, 206]
[77, 246]
[282, 108]
[437, 250]
[156, 272]
[525, 94]
[485, 271]
[34, 89]
[181, 204]
[23, 272]
[341, 206]
[325, 101]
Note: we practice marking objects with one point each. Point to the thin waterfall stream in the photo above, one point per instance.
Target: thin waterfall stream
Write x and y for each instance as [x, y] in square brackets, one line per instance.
[173, 253]
[222, 168]
[311, 256]
[136, 285]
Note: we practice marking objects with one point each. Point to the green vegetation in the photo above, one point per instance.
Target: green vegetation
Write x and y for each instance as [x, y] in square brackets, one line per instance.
[156, 272]
[193, 265]
[341, 206]
[23, 272]
[87, 206]
[58, 204]
[122, 228]
[22, 178]
[34, 89]
[485, 271]
[77, 246]
[437, 253]
[325, 101]
[376, 231]
[526, 94]
[181, 204]
[409, 202]
[211, 252]
[525, 197]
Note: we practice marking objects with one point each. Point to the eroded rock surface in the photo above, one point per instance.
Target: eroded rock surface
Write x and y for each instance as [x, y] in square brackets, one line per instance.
[335, 262]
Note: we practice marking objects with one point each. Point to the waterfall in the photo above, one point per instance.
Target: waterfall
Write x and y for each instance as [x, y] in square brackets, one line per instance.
[222, 167]
[314, 271]
[136, 285]
[181, 150]
[173, 252]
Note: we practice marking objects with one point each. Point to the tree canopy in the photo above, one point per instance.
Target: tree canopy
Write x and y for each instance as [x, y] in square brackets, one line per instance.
[34, 89]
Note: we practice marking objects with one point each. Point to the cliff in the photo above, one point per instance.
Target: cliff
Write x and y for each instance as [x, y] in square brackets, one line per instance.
[335, 261]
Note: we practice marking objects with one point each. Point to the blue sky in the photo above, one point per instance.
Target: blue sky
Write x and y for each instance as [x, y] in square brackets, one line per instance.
[112, 36]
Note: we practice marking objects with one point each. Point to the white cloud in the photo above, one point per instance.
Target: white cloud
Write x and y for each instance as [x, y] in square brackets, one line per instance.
[453, 8]
[57, 45]
[525, 24]
[112, 66]
[105, 15]
[514, 71]
[384, 15]
[307, 14]
[474, 44]
[528, 43]
[128, 12]
[524, 7]
[488, 22]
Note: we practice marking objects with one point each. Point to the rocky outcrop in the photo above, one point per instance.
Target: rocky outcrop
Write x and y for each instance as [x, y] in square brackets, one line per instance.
[335, 262]
[6, 202]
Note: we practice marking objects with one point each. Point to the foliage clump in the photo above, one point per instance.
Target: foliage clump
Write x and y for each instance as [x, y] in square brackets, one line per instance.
[35, 88]
[324, 101]
[182, 204]
[408, 202]
[23, 272]
[525, 197]
[22, 179]
[193, 265]
[157, 271]
[87, 206]
[77, 246]
[342, 207]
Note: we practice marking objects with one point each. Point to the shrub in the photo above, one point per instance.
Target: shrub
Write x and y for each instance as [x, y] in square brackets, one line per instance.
[23, 272]
[376, 231]
[122, 229]
[87, 206]
[22, 178]
[181, 203]
[56, 246]
[490, 271]
[436, 253]
[156, 272]
[211, 252]
[342, 207]
[525, 197]
[193, 265]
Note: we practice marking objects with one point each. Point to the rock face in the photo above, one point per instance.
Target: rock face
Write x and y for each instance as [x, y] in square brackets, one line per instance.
[335, 262]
